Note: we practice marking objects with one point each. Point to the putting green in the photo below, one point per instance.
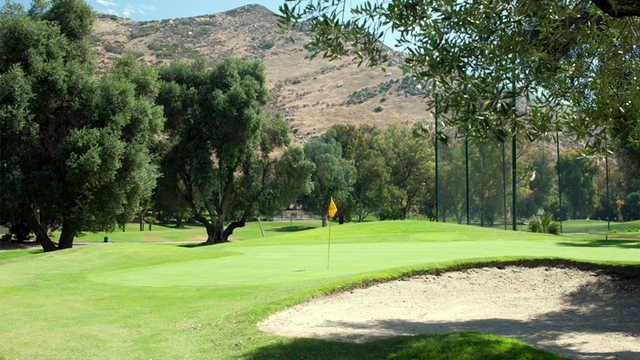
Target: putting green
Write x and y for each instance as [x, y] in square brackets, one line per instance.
[263, 265]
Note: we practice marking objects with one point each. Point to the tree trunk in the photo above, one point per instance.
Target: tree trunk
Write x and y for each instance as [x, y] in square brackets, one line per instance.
[66, 237]
[229, 230]
[41, 232]
[216, 233]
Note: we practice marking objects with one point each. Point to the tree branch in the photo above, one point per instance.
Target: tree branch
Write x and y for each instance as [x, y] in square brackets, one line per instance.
[619, 8]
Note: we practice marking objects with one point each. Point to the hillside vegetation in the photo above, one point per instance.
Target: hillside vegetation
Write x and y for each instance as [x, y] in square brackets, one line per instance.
[313, 94]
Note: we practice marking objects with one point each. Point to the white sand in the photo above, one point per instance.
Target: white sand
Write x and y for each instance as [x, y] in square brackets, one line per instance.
[580, 314]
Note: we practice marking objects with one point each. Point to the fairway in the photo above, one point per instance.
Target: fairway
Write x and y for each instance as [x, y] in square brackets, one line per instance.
[137, 300]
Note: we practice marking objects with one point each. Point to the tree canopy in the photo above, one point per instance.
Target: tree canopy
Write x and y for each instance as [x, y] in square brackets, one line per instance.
[74, 148]
[226, 158]
[333, 175]
[518, 67]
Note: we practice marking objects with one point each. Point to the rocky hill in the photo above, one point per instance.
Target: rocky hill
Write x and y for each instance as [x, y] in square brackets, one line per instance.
[312, 93]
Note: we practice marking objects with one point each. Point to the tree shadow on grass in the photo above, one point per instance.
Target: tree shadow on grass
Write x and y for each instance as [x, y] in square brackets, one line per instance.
[462, 346]
[11, 245]
[194, 245]
[293, 228]
[620, 243]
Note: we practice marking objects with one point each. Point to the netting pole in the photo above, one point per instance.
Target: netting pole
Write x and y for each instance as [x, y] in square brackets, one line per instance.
[514, 175]
[606, 169]
[466, 174]
[559, 181]
[435, 116]
[504, 185]
[514, 183]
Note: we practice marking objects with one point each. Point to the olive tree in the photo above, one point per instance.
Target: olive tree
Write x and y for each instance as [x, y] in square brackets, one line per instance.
[227, 159]
[74, 147]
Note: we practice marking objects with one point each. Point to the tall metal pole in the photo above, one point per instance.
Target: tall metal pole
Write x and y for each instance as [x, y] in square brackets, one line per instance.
[504, 185]
[514, 174]
[466, 158]
[606, 169]
[466, 173]
[436, 140]
[514, 183]
[514, 128]
[559, 180]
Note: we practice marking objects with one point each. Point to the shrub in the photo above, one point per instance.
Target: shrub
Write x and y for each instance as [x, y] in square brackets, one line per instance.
[408, 87]
[544, 224]
[265, 44]
[534, 224]
[368, 93]
[378, 109]
[554, 228]
[172, 51]
[143, 31]
[114, 48]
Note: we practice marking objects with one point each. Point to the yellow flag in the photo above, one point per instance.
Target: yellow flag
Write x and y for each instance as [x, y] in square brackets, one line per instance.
[333, 210]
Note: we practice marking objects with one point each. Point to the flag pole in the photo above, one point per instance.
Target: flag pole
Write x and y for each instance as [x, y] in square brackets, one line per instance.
[332, 210]
[329, 244]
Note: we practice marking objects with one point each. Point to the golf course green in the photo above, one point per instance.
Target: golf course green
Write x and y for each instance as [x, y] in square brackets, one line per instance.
[155, 295]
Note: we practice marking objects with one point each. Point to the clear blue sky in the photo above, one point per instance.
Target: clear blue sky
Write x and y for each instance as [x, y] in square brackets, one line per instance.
[164, 9]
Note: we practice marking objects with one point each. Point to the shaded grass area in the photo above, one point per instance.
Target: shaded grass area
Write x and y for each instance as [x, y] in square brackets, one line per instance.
[193, 232]
[461, 346]
[611, 242]
[583, 226]
[591, 226]
[135, 299]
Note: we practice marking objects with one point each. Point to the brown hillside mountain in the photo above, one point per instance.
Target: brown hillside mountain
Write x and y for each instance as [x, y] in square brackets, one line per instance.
[312, 93]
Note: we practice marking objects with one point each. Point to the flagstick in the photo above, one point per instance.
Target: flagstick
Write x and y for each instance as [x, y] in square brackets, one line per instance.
[329, 244]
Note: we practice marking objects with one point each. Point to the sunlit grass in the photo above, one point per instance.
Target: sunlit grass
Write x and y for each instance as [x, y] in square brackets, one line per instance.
[134, 298]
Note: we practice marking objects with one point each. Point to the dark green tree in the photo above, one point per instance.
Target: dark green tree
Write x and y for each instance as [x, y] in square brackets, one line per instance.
[333, 176]
[631, 207]
[537, 181]
[486, 182]
[167, 197]
[372, 188]
[223, 148]
[452, 195]
[74, 147]
[577, 183]
[409, 156]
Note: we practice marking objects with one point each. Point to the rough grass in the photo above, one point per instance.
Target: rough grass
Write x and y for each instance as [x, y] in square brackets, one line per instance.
[140, 300]
[459, 346]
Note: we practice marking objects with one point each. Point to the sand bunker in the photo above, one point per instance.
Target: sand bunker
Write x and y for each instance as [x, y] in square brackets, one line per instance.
[583, 314]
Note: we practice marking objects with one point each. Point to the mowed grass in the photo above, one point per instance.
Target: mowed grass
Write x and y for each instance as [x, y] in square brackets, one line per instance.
[134, 299]
[193, 233]
[590, 226]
